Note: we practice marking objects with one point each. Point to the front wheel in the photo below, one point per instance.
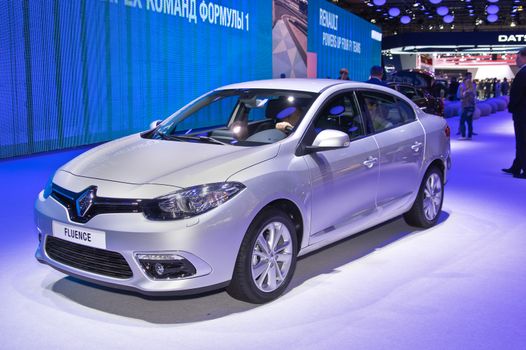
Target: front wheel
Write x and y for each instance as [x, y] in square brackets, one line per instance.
[266, 259]
[428, 203]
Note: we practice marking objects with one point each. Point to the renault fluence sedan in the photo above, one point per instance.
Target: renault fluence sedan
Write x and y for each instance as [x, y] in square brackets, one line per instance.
[232, 188]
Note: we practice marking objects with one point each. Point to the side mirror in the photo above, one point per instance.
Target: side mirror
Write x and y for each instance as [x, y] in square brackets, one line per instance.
[327, 140]
[155, 123]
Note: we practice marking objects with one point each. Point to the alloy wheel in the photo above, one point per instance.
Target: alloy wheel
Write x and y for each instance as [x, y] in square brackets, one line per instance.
[271, 256]
[432, 196]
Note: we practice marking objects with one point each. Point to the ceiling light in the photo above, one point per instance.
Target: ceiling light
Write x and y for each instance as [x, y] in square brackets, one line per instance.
[448, 19]
[442, 10]
[492, 18]
[405, 19]
[492, 9]
[435, 2]
[379, 2]
[394, 11]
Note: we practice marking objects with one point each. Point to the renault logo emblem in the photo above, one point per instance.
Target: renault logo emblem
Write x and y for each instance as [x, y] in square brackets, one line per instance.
[85, 201]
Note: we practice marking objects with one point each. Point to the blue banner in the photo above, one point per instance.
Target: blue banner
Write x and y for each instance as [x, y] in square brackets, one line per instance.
[339, 39]
[86, 71]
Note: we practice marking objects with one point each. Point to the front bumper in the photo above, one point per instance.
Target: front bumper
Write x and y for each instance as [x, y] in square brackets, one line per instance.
[210, 242]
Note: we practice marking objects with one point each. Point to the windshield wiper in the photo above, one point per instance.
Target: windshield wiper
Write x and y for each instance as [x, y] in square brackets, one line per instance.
[170, 137]
[211, 140]
[188, 137]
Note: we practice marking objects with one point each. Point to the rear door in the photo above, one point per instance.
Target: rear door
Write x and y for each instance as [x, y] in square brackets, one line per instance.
[401, 141]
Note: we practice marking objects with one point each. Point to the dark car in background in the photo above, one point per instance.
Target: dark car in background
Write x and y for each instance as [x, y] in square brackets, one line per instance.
[421, 97]
[416, 77]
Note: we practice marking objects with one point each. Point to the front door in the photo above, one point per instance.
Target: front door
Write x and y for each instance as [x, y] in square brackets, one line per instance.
[344, 180]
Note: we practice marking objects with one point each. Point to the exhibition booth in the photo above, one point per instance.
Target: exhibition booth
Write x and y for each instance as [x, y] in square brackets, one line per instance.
[230, 174]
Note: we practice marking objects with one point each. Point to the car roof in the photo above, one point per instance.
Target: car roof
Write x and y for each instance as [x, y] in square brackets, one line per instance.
[309, 85]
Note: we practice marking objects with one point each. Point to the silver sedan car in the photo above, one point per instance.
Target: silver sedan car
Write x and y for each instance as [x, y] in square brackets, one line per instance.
[232, 188]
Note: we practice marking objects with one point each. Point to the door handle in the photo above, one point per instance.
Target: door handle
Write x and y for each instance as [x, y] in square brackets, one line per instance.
[416, 146]
[370, 162]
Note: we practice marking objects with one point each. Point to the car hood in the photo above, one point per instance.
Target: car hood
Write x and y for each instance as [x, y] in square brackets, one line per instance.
[136, 160]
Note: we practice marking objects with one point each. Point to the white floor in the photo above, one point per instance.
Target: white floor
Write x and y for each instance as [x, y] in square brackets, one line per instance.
[459, 285]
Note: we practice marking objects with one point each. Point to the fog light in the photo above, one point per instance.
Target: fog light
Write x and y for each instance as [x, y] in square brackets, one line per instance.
[165, 266]
[159, 269]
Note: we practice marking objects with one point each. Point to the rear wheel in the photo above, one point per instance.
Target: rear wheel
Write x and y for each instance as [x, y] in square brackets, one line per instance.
[266, 260]
[428, 203]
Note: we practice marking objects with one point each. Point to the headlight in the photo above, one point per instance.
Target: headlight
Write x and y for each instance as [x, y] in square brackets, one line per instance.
[191, 201]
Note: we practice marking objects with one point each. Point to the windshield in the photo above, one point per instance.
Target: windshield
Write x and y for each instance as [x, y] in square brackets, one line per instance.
[249, 117]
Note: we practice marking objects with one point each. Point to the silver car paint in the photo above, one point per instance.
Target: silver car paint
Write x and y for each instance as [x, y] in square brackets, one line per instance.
[136, 160]
[137, 168]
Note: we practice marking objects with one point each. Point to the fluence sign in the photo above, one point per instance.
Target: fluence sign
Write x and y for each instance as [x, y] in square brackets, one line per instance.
[515, 38]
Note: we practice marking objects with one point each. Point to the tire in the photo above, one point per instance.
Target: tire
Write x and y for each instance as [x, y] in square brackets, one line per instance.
[256, 277]
[428, 203]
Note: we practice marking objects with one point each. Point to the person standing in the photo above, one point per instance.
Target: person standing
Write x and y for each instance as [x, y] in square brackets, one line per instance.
[517, 107]
[497, 88]
[480, 89]
[505, 87]
[494, 87]
[376, 76]
[487, 89]
[344, 74]
[467, 100]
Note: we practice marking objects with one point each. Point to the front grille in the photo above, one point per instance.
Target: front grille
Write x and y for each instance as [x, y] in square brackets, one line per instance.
[99, 261]
[94, 205]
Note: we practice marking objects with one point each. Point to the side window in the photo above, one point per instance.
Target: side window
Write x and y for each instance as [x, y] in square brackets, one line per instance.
[408, 114]
[341, 113]
[384, 110]
[256, 114]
